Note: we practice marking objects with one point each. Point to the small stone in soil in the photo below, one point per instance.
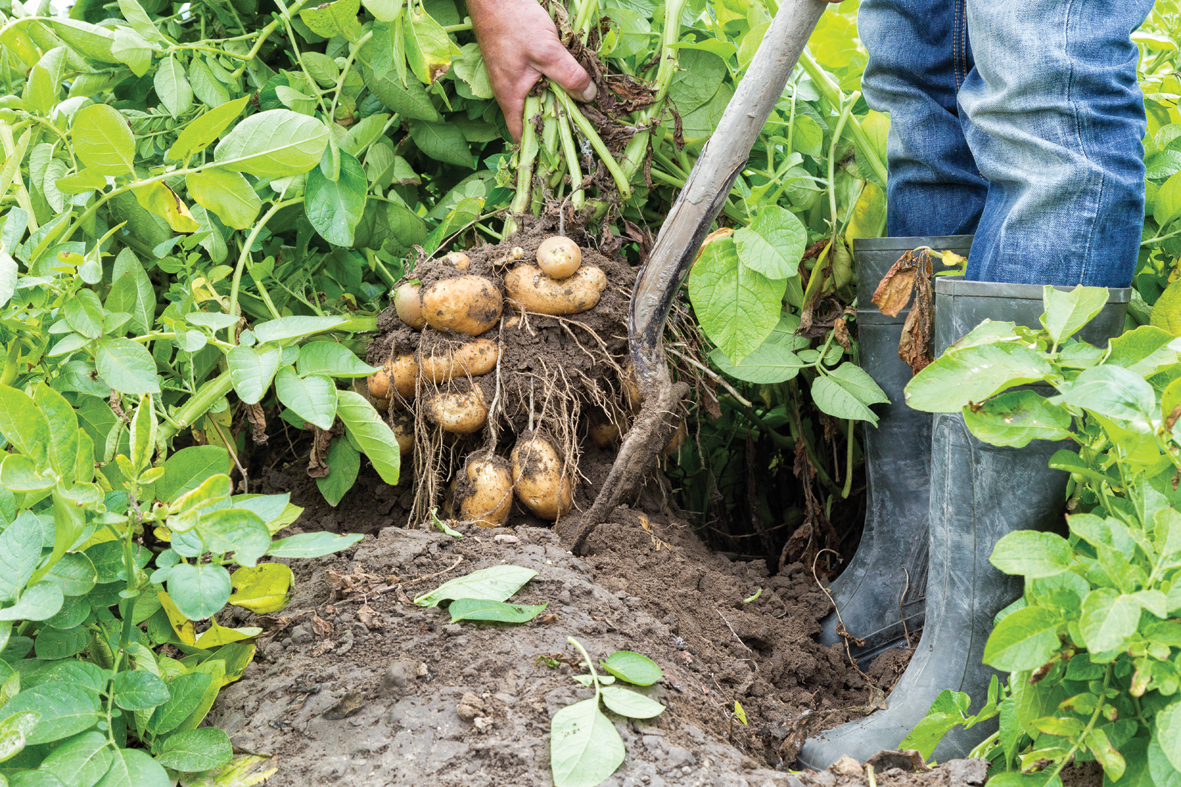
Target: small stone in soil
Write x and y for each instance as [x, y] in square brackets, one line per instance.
[470, 706]
[396, 677]
[846, 766]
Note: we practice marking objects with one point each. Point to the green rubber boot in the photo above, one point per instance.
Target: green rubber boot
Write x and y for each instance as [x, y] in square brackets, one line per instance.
[891, 559]
[979, 493]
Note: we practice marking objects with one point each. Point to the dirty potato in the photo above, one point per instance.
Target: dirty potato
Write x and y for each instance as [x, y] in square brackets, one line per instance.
[558, 257]
[467, 360]
[541, 483]
[467, 304]
[527, 286]
[490, 495]
[408, 304]
[403, 372]
[459, 412]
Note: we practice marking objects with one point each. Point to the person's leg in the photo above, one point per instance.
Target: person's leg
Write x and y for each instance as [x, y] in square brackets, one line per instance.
[933, 188]
[919, 55]
[1055, 119]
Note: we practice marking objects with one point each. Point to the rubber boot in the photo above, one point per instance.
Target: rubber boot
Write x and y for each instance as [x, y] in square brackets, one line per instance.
[979, 493]
[886, 579]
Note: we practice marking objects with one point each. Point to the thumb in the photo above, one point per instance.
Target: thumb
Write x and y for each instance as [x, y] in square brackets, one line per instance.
[564, 70]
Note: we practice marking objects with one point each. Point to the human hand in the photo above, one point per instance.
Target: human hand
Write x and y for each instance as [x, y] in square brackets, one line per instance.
[520, 44]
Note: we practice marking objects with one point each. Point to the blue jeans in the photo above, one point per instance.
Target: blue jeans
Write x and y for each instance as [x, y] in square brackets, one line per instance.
[1020, 121]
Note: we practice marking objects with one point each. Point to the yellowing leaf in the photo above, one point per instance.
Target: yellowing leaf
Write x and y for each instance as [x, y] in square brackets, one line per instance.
[226, 193]
[869, 215]
[180, 624]
[217, 635]
[1166, 312]
[236, 657]
[263, 588]
[334, 19]
[161, 200]
[428, 49]
[245, 771]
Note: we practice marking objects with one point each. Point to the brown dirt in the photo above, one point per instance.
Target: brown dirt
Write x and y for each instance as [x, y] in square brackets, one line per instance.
[355, 685]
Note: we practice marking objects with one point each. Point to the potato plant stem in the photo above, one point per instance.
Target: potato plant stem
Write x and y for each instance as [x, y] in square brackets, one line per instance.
[198, 404]
[589, 664]
[668, 56]
[526, 156]
[577, 197]
[846, 112]
[622, 182]
[832, 94]
[245, 256]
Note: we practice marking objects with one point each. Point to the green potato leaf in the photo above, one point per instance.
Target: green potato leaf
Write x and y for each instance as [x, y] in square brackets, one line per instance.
[335, 207]
[584, 747]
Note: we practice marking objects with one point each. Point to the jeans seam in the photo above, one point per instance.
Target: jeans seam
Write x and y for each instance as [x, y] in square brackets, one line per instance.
[1078, 130]
[955, 50]
[963, 32]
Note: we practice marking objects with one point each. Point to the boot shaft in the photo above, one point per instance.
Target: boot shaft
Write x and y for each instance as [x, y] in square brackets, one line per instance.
[961, 305]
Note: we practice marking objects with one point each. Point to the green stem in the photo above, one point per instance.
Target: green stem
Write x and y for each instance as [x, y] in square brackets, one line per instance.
[589, 664]
[584, 18]
[198, 405]
[668, 56]
[245, 256]
[1159, 238]
[263, 35]
[219, 52]
[622, 183]
[846, 113]
[1077, 744]
[848, 487]
[832, 93]
[378, 267]
[344, 72]
[526, 156]
[577, 196]
[302, 67]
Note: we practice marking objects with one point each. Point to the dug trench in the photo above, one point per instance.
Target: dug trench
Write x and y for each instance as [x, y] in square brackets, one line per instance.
[354, 684]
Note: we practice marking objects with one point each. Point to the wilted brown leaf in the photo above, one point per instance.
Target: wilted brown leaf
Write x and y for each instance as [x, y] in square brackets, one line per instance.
[320, 626]
[370, 618]
[317, 462]
[893, 291]
[915, 346]
[258, 420]
[840, 332]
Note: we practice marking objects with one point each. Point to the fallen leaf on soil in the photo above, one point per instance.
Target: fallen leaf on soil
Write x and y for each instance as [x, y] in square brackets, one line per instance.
[349, 704]
[910, 760]
[370, 618]
[797, 733]
[320, 626]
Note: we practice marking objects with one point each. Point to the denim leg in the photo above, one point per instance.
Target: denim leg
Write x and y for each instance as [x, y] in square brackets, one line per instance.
[918, 56]
[1054, 118]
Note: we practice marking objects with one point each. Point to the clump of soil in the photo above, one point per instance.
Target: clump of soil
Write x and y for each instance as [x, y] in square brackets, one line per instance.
[353, 684]
[564, 377]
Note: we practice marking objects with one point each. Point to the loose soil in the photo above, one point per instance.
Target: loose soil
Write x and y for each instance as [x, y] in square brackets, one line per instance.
[355, 685]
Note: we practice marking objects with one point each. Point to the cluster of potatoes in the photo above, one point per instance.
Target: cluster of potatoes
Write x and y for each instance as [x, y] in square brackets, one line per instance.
[468, 307]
